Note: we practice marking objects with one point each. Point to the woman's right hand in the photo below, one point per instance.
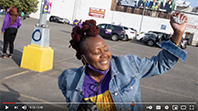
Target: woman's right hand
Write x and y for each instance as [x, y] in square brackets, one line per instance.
[2, 33]
[178, 28]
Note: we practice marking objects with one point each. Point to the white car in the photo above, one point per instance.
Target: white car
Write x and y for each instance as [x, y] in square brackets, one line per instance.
[130, 33]
[140, 36]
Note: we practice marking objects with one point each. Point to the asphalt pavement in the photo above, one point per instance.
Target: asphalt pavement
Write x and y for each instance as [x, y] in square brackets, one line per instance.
[23, 89]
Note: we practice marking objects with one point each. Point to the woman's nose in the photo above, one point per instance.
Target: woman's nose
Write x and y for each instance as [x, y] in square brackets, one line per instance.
[104, 54]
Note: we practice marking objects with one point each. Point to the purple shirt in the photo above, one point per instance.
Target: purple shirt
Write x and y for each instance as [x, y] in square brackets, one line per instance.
[90, 86]
[7, 21]
[98, 93]
[75, 23]
[80, 24]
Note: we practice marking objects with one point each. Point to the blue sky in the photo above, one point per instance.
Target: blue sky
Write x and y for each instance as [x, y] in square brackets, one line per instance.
[193, 3]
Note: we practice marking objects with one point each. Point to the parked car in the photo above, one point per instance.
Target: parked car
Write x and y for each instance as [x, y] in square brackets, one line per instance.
[183, 43]
[115, 32]
[53, 18]
[161, 35]
[130, 34]
[157, 32]
[150, 39]
[188, 41]
[140, 36]
[27, 15]
[63, 20]
[134, 31]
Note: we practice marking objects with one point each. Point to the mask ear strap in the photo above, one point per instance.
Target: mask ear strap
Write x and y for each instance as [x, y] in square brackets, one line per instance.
[85, 59]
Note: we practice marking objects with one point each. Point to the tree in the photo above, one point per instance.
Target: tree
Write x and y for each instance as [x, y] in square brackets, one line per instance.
[8, 3]
[27, 6]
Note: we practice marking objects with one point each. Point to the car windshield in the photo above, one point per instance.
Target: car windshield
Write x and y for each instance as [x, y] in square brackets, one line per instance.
[110, 27]
[125, 28]
[132, 29]
[160, 35]
[153, 34]
[118, 28]
[102, 26]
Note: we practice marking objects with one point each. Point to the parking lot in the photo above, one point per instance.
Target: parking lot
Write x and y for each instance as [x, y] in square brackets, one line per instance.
[39, 91]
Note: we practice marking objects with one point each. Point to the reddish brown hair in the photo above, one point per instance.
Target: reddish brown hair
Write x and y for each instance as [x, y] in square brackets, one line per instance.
[13, 14]
[89, 29]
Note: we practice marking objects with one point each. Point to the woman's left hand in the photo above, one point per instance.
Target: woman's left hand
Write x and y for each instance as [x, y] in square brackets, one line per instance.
[2, 33]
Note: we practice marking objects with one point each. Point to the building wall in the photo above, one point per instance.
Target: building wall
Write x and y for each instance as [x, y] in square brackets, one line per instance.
[83, 10]
[192, 27]
[79, 9]
[123, 18]
[62, 8]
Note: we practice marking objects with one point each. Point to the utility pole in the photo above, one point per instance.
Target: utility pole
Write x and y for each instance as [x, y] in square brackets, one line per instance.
[42, 18]
[141, 20]
[144, 4]
[75, 10]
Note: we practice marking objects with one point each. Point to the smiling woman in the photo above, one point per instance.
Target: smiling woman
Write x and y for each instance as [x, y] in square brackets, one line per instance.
[108, 82]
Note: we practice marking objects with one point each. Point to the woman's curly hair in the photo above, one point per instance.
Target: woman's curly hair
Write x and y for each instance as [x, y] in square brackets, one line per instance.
[89, 29]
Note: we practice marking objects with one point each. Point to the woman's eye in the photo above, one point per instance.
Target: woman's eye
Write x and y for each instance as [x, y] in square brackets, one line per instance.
[106, 49]
[96, 53]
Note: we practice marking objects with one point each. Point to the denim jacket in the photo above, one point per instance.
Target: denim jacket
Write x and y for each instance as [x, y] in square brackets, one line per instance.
[126, 72]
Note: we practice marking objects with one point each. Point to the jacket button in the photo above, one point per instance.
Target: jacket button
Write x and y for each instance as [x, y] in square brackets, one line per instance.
[131, 87]
[116, 94]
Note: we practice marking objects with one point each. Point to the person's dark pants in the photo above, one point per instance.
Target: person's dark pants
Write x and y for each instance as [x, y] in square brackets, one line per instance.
[9, 37]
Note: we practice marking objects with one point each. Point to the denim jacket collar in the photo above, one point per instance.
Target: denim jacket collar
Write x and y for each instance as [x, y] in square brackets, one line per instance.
[114, 70]
[80, 83]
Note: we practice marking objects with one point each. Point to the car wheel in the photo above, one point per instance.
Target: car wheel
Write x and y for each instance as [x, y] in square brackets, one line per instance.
[114, 37]
[125, 38]
[64, 22]
[150, 42]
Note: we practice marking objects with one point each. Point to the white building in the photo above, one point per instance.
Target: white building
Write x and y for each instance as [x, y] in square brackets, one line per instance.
[101, 11]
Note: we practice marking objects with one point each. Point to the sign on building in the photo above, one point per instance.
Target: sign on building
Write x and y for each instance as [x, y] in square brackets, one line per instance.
[96, 12]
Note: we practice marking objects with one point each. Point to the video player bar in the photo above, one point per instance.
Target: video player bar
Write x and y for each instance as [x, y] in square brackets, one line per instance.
[101, 103]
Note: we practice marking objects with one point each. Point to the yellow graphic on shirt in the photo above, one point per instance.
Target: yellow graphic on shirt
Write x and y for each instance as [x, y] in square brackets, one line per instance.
[104, 101]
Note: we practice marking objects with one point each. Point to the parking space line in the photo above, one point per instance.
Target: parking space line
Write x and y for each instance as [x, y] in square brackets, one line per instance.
[166, 91]
[118, 44]
[180, 78]
[63, 59]
[14, 75]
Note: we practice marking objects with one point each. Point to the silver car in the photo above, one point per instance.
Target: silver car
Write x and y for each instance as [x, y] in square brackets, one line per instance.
[63, 20]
